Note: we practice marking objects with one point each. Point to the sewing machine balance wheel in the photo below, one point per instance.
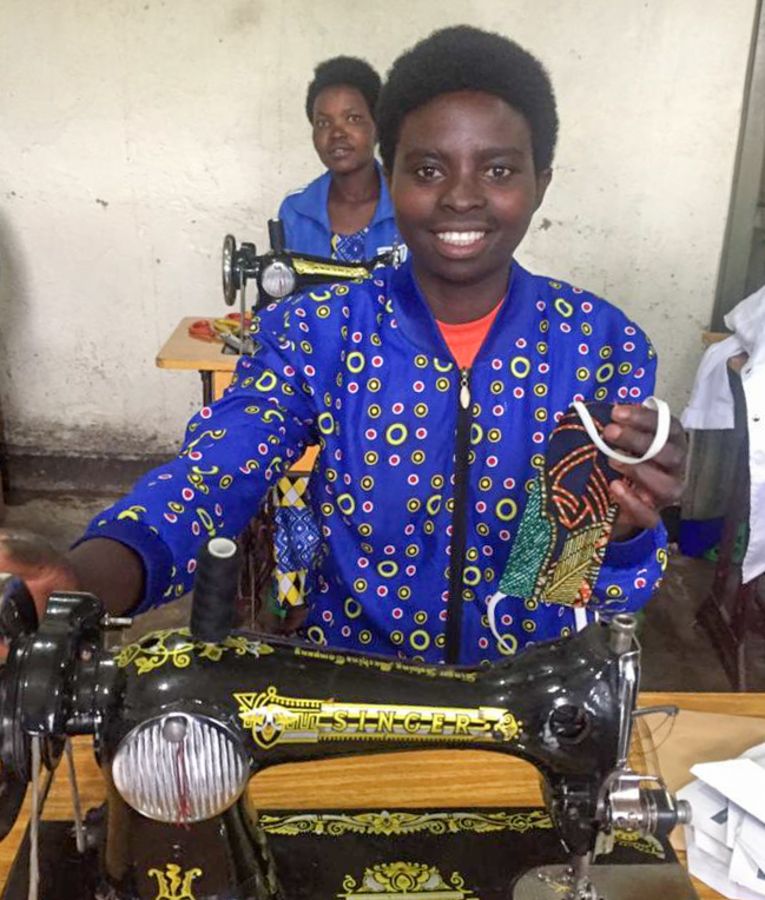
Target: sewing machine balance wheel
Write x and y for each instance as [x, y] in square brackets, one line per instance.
[231, 276]
[15, 762]
[18, 618]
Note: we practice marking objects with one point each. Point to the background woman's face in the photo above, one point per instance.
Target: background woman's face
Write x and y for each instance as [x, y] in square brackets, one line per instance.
[344, 132]
[464, 186]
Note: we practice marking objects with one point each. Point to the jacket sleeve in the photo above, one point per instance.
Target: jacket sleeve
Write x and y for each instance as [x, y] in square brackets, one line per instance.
[233, 450]
[632, 569]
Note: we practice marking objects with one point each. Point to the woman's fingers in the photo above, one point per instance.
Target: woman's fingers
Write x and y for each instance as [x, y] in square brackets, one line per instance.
[646, 488]
[650, 480]
[635, 509]
[632, 431]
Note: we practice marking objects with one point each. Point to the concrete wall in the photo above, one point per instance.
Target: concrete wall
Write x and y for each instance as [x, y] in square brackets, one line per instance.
[134, 133]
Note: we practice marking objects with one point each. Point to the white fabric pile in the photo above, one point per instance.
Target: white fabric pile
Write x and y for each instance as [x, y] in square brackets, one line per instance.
[726, 841]
[711, 406]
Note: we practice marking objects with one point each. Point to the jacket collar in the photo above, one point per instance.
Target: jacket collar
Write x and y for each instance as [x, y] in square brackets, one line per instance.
[313, 201]
[416, 321]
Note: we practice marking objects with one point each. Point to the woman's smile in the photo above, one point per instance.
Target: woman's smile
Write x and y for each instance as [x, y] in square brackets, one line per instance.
[461, 244]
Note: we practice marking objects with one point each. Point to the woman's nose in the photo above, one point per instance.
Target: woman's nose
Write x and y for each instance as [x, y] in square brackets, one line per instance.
[463, 192]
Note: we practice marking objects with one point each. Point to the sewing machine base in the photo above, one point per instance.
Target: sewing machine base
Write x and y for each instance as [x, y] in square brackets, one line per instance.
[346, 854]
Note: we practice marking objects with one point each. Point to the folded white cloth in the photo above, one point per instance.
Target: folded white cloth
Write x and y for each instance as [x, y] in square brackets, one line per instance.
[711, 406]
[711, 403]
[726, 840]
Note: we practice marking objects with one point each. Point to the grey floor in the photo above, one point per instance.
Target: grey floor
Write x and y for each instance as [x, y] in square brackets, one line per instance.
[677, 655]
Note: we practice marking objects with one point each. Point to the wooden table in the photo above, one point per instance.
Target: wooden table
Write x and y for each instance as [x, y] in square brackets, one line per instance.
[181, 351]
[422, 779]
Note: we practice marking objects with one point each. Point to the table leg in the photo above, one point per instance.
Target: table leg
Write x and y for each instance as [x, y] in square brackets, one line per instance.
[207, 390]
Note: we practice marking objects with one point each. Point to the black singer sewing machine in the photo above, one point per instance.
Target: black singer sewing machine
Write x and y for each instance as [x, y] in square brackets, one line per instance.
[181, 720]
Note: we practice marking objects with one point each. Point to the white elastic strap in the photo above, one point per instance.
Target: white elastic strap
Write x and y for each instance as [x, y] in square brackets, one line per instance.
[491, 615]
[657, 444]
[580, 618]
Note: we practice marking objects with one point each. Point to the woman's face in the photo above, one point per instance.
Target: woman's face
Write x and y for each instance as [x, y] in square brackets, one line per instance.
[344, 133]
[464, 187]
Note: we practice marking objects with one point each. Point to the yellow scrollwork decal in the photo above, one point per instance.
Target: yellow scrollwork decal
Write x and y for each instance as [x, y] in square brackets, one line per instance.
[174, 646]
[397, 879]
[174, 883]
[391, 824]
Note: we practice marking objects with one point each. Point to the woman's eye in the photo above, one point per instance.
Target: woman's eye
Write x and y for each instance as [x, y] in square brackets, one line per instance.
[500, 172]
[427, 173]
[355, 118]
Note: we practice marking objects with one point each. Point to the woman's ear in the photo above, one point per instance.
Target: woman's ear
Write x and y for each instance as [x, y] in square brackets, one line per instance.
[544, 177]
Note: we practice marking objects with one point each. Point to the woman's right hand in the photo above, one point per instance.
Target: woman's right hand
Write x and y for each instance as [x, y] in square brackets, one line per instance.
[42, 568]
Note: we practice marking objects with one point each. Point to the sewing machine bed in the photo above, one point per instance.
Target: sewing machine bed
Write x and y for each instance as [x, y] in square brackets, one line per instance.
[456, 854]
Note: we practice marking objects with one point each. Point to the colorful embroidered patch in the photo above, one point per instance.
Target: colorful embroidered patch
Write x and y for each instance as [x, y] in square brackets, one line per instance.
[562, 537]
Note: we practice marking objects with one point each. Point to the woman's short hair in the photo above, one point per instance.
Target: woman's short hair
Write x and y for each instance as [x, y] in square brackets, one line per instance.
[346, 70]
[463, 58]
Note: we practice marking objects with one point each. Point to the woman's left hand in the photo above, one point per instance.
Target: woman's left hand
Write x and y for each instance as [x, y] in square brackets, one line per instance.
[645, 488]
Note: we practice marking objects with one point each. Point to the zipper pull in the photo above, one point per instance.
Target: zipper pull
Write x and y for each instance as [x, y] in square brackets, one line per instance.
[465, 388]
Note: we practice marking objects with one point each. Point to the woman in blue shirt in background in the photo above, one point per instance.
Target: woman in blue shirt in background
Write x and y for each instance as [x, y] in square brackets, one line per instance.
[346, 213]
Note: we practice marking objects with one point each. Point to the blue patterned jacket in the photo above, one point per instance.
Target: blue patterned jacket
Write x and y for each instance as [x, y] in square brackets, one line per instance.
[362, 369]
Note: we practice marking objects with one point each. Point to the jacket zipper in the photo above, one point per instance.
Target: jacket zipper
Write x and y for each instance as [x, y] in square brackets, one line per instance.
[459, 522]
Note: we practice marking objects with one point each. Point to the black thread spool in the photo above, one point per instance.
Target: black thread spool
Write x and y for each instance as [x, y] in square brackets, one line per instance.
[276, 235]
[215, 585]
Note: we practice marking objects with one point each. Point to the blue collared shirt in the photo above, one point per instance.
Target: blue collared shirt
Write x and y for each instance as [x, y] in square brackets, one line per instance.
[307, 228]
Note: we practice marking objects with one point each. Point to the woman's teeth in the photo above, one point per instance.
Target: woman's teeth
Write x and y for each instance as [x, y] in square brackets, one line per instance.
[460, 238]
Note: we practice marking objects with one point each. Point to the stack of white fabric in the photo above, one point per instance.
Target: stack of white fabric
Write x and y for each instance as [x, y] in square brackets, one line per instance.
[726, 841]
[711, 406]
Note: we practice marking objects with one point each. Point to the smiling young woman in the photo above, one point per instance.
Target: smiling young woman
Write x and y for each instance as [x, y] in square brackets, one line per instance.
[433, 390]
[346, 213]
